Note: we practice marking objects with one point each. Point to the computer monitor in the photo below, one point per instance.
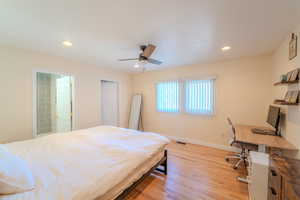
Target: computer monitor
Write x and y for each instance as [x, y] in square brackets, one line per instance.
[274, 117]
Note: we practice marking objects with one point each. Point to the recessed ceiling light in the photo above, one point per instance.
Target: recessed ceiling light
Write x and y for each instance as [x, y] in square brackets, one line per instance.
[136, 65]
[226, 48]
[67, 43]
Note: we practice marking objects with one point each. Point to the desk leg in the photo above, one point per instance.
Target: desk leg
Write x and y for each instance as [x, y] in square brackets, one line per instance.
[262, 148]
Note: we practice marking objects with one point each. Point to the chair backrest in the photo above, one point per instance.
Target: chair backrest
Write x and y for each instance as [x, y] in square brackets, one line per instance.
[229, 121]
[231, 129]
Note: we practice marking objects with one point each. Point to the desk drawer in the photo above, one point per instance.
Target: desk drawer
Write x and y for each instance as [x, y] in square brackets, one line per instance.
[273, 194]
[275, 180]
[289, 192]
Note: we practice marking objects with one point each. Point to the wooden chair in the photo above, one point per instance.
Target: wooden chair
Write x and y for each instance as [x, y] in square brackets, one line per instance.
[245, 147]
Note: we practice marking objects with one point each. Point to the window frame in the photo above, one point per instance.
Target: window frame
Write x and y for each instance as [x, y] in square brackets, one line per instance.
[182, 96]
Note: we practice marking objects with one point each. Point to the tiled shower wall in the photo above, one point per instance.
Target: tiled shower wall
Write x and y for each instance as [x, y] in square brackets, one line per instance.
[44, 103]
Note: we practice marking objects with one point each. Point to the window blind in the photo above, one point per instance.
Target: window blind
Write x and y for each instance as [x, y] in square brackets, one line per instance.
[167, 94]
[199, 96]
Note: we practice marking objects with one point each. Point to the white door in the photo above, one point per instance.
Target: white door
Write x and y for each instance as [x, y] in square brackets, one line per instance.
[109, 103]
[63, 104]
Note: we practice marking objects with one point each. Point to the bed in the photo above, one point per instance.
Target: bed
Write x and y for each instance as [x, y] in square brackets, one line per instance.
[100, 163]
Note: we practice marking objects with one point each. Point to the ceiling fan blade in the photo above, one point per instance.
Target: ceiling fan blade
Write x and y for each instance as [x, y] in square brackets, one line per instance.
[148, 51]
[153, 61]
[128, 59]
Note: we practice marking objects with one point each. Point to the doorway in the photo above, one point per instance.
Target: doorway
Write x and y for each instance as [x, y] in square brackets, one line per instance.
[53, 103]
[109, 103]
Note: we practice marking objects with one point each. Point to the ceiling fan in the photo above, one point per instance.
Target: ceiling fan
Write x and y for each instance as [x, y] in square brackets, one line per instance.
[144, 56]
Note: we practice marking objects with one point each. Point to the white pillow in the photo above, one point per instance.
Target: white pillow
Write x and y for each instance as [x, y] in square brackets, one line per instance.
[15, 175]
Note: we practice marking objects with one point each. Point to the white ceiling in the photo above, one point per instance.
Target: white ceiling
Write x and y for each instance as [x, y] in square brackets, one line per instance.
[185, 31]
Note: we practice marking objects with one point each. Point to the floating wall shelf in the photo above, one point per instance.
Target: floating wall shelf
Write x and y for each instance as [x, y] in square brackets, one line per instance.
[282, 102]
[287, 83]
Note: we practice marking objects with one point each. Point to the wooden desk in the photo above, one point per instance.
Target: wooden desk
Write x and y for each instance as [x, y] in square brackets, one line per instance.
[244, 134]
[284, 178]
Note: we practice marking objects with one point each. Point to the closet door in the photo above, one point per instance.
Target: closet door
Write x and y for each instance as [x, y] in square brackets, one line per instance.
[109, 103]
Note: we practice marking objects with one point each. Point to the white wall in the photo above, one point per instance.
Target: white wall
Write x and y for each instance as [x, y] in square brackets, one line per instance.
[281, 65]
[243, 92]
[16, 96]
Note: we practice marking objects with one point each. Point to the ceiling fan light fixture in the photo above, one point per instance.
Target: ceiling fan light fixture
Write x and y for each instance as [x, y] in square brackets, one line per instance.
[226, 48]
[67, 43]
[144, 57]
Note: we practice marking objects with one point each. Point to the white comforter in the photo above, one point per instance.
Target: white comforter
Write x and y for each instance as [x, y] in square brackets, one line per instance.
[83, 164]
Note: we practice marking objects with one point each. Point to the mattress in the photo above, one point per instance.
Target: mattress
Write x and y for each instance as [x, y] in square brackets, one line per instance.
[86, 164]
[133, 176]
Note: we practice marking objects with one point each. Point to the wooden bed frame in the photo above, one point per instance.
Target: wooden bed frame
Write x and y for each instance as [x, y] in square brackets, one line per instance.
[163, 162]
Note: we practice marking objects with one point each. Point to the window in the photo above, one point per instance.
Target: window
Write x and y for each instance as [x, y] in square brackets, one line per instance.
[197, 96]
[167, 96]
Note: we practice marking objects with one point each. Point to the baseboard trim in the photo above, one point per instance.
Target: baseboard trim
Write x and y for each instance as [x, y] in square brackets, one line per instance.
[199, 142]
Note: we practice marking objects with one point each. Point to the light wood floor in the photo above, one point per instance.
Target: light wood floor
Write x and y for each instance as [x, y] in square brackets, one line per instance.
[195, 173]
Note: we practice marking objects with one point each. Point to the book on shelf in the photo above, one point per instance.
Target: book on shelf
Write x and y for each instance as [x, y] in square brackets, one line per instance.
[287, 96]
[294, 75]
[294, 97]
